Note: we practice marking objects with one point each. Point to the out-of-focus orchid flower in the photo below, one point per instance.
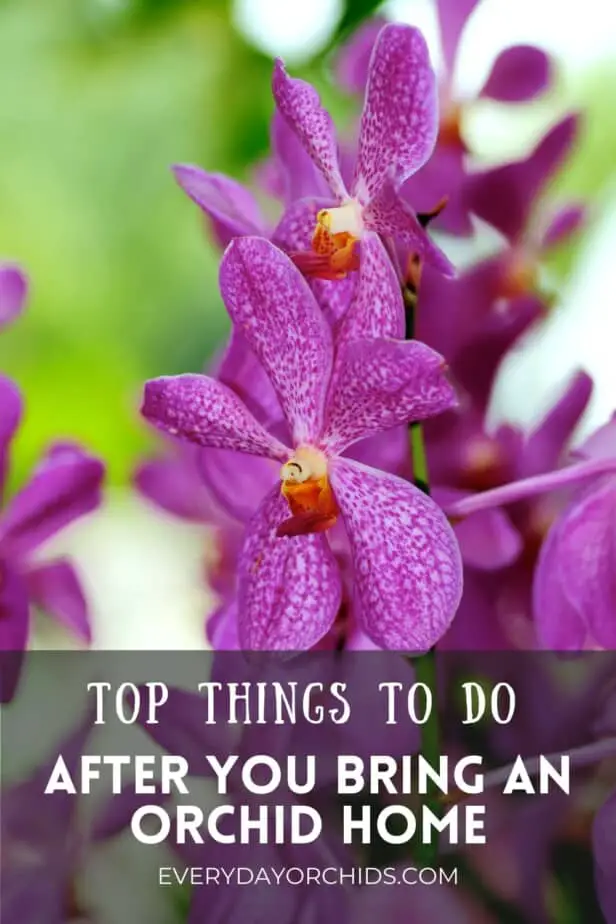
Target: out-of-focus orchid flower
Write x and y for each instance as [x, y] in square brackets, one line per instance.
[45, 842]
[333, 395]
[520, 73]
[65, 486]
[13, 292]
[574, 602]
[397, 136]
[500, 545]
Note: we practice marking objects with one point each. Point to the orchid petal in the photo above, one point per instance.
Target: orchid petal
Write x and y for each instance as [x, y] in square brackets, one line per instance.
[519, 73]
[294, 234]
[566, 222]
[452, 16]
[242, 372]
[299, 104]
[380, 384]
[10, 417]
[13, 292]
[352, 65]
[389, 451]
[504, 196]
[399, 123]
[529, 487]
[559, 624]
[240, 494]
[476, 365]
[377, 310]
[289, 588]
[14, 611]
[174, 484]
[231, 207]
[549, 439]
[406, 560]
[296, 227]
[488, 540]
[300, 175]
[65, 486]
[443, 177]
[204, 411]
[601, 444]
[273, 307]
[222, 627]
[389, 215]
[587, 551]
[55, 588]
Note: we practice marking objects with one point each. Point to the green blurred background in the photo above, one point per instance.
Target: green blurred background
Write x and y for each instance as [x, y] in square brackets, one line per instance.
[97, 99]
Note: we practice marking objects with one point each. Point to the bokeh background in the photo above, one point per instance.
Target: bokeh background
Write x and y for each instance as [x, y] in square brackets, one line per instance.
[98, 98]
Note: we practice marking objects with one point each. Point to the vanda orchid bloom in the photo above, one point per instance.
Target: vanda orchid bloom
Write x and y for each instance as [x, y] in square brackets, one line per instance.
[399, 127]
[407, 569]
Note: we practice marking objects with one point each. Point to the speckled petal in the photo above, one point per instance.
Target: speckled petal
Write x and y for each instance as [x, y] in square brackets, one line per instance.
[242, 372]
[559, 625]
[271, 304]
[520, 73]
[389, 215]
[204, 411]
[504, 196]
[406, 560]
[296, 227]
[299, 104]
[13, 292]
[377, 309]
[231, 207]
[452, 16]
[289, 588]
[299, 174]
[294, 234]
[380, 384]
[399, 123]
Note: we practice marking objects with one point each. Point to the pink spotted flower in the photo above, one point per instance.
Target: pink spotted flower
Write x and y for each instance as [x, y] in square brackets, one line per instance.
[398, 132]
[406, 563]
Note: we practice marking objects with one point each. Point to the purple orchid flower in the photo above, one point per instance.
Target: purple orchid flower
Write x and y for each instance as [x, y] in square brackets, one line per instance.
[45, 843]
[519, 74]
[397, 136]
[500, 545]
[13, 292]
[333, 395]
[504, 196]
[65, 486]
[573, 592]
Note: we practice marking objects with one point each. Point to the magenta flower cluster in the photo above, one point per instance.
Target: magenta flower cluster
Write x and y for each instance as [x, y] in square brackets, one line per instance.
[303, 461]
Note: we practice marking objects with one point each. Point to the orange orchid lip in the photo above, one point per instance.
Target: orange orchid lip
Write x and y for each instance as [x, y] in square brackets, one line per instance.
[306, 488]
